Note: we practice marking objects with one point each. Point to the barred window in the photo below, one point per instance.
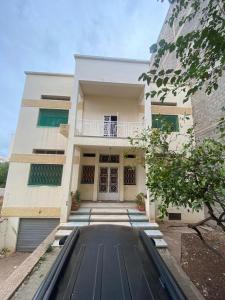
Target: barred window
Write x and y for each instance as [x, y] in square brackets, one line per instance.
[129, 176]
[45, 174]
[88, 174]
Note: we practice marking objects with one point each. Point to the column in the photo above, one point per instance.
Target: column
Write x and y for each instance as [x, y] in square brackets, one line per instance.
[95, 192]
[121, 181]
[150, 206]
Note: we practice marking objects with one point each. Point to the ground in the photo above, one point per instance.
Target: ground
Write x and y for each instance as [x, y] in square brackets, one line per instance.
[204, 266]
[28, 288]
[9, 263]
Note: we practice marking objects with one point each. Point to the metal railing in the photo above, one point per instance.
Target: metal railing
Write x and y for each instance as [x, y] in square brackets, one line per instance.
[110, 129]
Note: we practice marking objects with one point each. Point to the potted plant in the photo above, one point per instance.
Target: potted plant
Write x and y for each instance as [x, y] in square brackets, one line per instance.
[75, 200]
[140, 200]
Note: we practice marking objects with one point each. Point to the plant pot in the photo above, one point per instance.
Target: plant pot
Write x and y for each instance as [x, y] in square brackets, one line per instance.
[141, 207]
[75, 205]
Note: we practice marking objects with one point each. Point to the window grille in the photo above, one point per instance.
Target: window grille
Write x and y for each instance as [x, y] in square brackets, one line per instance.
[45, 174]
[52, 117]
[88, 174]
[88, 154]
[105, 158]
[129, 176]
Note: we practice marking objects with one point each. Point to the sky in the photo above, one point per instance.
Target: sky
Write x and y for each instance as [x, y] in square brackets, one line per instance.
[43, 35]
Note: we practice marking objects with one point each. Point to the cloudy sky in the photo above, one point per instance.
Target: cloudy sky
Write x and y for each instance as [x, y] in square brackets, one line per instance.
[43, 35]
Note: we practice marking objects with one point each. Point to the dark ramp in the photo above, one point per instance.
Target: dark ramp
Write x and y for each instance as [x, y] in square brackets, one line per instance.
[109, 262]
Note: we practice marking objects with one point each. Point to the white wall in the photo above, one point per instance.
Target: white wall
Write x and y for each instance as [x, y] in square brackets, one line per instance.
[107, 70]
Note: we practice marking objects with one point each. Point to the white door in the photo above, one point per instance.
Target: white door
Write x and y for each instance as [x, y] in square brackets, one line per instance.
[108, 183]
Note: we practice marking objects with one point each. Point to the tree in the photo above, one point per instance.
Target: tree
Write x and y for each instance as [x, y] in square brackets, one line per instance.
[3, 173]
[201, 52]
[192, 177]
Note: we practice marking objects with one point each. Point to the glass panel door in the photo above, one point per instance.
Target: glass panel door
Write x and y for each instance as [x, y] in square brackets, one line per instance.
[110, 126]
[108, 183]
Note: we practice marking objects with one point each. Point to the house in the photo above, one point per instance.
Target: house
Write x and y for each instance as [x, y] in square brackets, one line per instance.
[72, 134]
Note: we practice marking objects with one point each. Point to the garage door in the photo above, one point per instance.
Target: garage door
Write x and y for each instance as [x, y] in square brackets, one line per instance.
[32, 232]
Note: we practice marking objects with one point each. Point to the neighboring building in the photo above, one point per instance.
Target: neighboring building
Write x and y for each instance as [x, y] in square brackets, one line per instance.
[207, 110]
[72, 135]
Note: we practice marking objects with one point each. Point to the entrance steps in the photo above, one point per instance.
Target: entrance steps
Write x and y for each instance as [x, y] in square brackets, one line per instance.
[130, 216]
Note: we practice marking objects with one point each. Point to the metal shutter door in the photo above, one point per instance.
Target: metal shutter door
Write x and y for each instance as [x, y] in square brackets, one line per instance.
[32, 232]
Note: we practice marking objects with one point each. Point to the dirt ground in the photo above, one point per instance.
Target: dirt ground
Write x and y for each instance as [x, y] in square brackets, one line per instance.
[205, 268]
[9, 263]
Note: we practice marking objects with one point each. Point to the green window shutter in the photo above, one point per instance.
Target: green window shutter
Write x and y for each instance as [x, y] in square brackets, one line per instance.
[158, 120]
[45, 174]
[52, 117]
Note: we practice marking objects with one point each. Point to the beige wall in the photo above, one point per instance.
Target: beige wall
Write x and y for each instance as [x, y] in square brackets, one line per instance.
[37, 85]
[19, 194]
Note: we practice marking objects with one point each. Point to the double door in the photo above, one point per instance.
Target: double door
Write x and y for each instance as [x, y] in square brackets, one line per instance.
[108, 183]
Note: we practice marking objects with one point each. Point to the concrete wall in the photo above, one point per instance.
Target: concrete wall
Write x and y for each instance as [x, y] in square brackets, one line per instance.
[3, 229]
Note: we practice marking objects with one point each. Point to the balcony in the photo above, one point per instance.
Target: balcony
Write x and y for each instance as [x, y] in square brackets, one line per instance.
[108, 129]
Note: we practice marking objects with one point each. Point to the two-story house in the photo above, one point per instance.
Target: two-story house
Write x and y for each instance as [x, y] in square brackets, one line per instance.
[72, 134]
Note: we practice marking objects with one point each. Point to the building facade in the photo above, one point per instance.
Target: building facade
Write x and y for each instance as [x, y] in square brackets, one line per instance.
[72, 134]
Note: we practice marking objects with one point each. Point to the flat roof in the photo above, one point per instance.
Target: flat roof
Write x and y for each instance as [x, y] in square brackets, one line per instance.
[130, 60]
[48, 74]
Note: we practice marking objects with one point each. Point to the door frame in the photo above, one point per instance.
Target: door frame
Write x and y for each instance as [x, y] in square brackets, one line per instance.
[109, 196]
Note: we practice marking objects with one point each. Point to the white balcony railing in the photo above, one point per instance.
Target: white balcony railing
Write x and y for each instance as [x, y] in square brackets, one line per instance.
[108, 128]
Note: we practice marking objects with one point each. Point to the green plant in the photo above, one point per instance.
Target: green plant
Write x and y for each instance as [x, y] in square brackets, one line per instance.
[199, 52]
[140, 199]
[49, 249]
[3, 173]
[75, 196]
[191, 177]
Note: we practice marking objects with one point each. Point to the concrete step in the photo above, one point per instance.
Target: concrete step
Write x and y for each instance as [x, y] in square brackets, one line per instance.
[138, 218]
[144, 225]
[71, 225]
[109, 211]
[81, 211]
[109, 218]
[160, 243]
[108, 204]
[154, 233]
[79, 218]
[111, 223]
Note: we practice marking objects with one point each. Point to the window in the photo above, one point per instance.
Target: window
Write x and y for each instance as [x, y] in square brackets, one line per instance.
[129, 176]
[129, 156]
[88, 154]
[47, 151]
[158, 120]
[164, 103]
[110, 126]
[52, 117]
[45, 174]
[88, 175]
[53, 97]
[105, 158]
